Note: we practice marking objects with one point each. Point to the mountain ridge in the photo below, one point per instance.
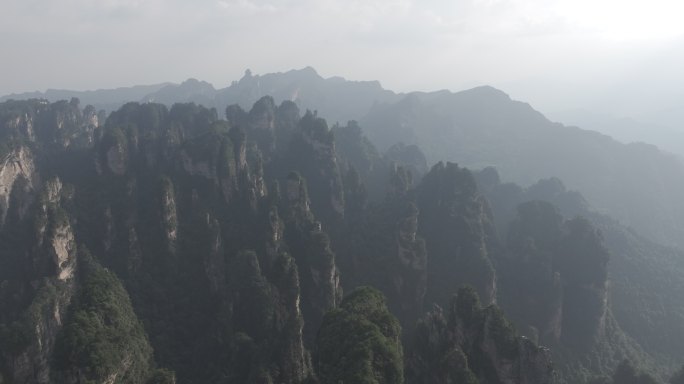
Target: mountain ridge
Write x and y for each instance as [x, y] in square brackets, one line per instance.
[482, 126]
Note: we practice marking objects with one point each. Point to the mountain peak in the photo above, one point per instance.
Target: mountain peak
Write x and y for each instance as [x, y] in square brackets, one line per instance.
[193, 83]
[486, 91]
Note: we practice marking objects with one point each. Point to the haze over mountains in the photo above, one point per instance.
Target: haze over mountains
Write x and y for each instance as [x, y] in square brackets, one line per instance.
[635, 183]
[231, 235]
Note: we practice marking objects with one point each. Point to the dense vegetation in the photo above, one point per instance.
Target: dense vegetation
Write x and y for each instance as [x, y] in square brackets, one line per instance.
[360, 342]
[103, 339]
[220, 251]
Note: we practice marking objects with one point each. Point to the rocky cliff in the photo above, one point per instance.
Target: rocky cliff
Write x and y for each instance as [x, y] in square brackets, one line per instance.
[474, 344]
[170, 244]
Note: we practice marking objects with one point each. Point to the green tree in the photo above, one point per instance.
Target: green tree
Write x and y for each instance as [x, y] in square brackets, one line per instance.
[103, 338]
[360, 342]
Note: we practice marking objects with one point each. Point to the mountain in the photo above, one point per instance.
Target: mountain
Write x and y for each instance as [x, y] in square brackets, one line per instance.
[636, 183]
[166, 245]
[337, 99]
[107, 99]
[191, 90]
[645, 278]
[659, 128]
[170, 244]
[483, 127]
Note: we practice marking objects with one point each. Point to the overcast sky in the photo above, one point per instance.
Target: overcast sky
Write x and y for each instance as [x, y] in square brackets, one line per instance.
[556, 54]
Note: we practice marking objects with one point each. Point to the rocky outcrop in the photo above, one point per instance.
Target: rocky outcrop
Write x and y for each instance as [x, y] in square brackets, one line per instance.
[459, 234]
[53, 259]
[17, 169]
[312, 154]
[474, 344]
[197, 167]
[555, 277]
[309, 245]
[45, 318]
[23, 124]
[214, 263]
[387, 252]
[231, 279]
[103, 341]
[116, 157]
[169, 213]
[267, 313]
[261, 125]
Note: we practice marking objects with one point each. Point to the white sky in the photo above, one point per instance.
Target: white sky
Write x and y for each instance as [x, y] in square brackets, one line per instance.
[555, 54]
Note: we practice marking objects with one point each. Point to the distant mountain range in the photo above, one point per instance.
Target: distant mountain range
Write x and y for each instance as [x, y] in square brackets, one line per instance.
[107, 99]
[635, 183]
[335, 98]
[659, 128]
[226, 245]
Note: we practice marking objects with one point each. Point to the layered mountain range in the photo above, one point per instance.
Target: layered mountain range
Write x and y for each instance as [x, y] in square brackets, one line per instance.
[220, 243]
[636, 184]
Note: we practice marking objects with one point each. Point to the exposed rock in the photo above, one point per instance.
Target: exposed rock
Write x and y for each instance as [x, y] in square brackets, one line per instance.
[387, 253]
[53, 258]
[197, 168]
[214, 264]
[16, 165]
[459, 234]
[560, 269]
[474, 344]
[312, 153]
[262, 124]
[116, 159]
[310, 247]
[24, 124]
[169, 215]
[63, 245]
[268, 312]
[294, 359]
[46, 313]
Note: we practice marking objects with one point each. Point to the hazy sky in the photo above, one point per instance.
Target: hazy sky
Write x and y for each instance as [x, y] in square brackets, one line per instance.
[556, 54]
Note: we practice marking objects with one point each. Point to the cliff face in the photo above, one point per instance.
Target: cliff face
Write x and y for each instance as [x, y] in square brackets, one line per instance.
[17, 170]
[386, 251]
[459, 234]
[172, 238]
[560, 269]
[43, 299]
[102, 339]
[310, 246]
[472, 344]
[312, 153]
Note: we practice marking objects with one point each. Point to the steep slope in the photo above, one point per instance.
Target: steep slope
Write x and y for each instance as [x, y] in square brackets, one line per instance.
[636, 184]
[459, 234]
[174, 202]
[360, 342]
[102, 340]
[474, 344]
[476, 128]
[337, 99]
[225, 244]
[644, 278]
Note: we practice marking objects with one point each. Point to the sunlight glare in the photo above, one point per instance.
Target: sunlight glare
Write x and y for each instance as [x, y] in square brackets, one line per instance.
[626, 20]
